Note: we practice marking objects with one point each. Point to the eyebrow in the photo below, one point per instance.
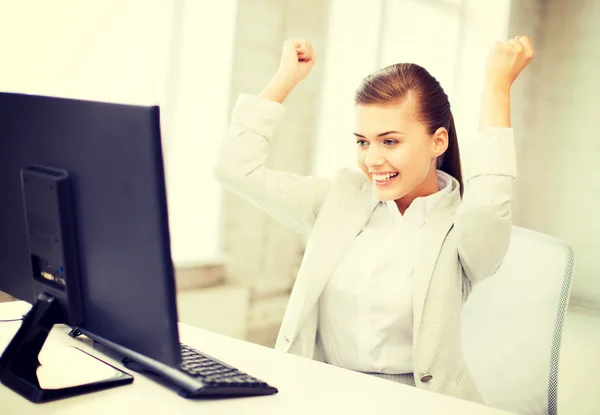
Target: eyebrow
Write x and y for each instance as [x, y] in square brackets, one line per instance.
[380, 135]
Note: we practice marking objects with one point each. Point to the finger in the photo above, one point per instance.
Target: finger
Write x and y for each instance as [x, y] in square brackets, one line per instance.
[290, 46]
[310, 54]
[293, 43]
[306, 59]
[497, 45]
[527, 46]
[308, 51]
[516, 44]
[304, 55]
[298, 45]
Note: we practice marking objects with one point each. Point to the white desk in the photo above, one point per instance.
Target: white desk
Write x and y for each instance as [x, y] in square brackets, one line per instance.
[305, 387]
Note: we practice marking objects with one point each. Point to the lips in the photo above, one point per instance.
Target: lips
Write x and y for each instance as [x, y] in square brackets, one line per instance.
[382, 180]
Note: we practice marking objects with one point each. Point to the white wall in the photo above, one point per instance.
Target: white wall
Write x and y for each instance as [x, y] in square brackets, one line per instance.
[559, 185]
[259, 251]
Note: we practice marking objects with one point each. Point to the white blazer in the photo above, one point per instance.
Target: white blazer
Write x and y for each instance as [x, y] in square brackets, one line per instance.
[465, 240]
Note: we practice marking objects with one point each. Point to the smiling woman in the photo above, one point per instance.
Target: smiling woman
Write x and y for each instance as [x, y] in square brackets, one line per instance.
[389, 259]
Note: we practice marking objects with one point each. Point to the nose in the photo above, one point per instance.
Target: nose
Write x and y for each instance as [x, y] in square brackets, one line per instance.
[374, 157]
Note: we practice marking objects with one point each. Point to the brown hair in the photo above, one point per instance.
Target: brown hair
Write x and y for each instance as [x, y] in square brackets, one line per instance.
[396, 83]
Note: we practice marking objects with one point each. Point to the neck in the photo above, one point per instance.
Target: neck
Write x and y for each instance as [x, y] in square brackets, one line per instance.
[427, 187]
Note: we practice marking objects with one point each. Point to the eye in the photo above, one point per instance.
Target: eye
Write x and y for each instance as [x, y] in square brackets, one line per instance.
[362, 143]
[390, 142]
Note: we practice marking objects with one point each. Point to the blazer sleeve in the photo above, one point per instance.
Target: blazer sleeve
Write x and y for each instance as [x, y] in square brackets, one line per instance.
[292, 199]
[483, 221]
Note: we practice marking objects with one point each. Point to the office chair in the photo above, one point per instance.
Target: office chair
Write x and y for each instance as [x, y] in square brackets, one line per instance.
[512, 325]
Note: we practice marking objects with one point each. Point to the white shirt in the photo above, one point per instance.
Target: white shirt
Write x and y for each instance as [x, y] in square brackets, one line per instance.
[365, 310]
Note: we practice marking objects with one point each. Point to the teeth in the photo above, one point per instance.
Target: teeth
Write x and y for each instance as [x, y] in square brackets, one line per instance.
[382, 177]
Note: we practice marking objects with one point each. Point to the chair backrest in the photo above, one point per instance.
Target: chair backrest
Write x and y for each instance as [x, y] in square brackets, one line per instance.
[512, 324]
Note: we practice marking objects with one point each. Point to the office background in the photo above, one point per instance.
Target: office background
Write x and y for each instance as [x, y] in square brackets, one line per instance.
[235, 265]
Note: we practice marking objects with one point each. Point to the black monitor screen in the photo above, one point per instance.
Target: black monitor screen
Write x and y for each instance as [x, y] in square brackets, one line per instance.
[113, 155]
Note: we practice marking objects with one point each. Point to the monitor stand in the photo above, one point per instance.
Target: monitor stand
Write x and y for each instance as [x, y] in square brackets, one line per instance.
[36, 372]
[63, 372]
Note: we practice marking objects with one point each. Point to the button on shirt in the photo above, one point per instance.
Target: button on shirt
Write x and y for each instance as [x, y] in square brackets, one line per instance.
[365, 310]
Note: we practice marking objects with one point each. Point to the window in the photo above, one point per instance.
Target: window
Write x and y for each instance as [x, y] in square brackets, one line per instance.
[425, 33]
[197, 108]
[114, 50]
[450, 38]
[351, 53]
[177, 54]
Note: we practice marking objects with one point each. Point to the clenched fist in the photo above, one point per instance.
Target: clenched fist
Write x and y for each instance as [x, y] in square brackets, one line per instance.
[507, 59]
[297, 60]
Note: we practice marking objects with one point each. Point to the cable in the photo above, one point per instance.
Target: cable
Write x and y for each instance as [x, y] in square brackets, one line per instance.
[10, 321]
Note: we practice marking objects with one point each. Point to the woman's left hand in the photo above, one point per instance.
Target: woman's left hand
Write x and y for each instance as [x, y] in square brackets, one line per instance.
[507, 59]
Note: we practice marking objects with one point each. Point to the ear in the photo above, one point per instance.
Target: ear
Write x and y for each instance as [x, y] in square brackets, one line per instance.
[439, 142]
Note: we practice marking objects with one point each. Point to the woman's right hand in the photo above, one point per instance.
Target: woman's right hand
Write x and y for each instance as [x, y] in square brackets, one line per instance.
[297, 60]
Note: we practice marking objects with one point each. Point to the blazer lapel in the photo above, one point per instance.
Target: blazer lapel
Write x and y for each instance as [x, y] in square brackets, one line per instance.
[340, 228]
[434, 233]
[340, 224]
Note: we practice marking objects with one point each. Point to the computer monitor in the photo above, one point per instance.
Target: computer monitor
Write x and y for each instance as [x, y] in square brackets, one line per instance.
[83, 222]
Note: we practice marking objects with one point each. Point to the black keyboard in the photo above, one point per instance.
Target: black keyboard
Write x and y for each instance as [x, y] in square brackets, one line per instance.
[219, 378]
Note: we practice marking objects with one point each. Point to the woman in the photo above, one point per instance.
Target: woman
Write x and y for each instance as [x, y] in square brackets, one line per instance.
[394, 250]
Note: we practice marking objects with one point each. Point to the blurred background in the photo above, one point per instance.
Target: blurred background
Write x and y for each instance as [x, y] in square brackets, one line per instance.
[235, 266]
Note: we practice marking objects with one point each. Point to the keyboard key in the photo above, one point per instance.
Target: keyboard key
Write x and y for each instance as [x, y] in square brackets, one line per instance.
[214, 374]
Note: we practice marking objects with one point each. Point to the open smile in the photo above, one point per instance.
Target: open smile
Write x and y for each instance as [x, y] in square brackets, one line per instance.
[382, 180]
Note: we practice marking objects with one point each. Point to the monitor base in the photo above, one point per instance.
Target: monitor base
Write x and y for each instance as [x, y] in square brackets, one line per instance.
[55, 372]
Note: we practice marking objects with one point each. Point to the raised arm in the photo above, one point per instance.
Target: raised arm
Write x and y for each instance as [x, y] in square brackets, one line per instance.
[484, 219]
[505, 63]
[291, 199]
